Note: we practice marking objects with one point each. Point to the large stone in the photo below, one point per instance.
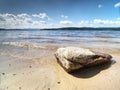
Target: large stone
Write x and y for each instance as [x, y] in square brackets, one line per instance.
[73, 58]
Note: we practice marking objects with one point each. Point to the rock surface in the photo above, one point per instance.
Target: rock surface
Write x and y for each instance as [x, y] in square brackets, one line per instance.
[73, 58]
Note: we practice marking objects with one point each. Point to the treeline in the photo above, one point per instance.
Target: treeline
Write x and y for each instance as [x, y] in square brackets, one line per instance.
[83, 28]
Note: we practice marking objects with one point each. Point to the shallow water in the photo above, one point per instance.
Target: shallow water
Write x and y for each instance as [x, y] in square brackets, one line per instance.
[61, 37]
[18, 42]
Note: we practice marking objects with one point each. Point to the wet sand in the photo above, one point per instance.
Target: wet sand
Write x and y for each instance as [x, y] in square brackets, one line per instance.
[38, 70]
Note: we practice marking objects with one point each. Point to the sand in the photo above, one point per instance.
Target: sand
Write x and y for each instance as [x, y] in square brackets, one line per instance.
[42, 72]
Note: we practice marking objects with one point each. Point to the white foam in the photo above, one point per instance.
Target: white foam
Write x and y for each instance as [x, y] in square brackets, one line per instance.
[24, 45]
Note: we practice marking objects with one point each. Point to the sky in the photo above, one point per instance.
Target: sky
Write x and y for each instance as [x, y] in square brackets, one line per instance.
[59, 13]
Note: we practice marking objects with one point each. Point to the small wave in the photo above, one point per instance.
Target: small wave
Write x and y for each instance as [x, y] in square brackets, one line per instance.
[24, 45]
[100, 36]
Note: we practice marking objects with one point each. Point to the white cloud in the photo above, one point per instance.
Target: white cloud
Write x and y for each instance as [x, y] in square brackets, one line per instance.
[63, 16]
[100, 23]
[23, 20]
[117, 5]
[85, 23]
[23, 15]
[66, 22]
[7, 16]
[118, 19]
[106, 22]
[100, 6]
[41, 16]
[2, 18]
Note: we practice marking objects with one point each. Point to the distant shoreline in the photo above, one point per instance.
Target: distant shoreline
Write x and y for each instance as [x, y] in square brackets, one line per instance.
[83, 28]
[69, 28]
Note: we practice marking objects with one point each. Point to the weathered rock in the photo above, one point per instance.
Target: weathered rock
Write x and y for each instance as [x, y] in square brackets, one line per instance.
[73, 58]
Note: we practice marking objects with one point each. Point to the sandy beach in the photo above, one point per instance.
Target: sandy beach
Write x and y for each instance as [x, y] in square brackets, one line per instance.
[26, 70]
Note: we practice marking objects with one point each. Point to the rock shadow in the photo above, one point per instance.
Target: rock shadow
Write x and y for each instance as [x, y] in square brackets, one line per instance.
[92, 71]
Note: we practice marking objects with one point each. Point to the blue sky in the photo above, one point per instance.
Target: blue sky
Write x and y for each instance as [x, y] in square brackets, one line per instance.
[59, 13]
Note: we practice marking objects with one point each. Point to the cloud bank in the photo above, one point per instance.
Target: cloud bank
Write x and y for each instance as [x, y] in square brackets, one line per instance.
[41, 16]
[42, 20]
[24, 20]
[100, 23]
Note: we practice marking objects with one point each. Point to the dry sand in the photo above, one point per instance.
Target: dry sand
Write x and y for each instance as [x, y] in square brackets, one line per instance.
[44, 73]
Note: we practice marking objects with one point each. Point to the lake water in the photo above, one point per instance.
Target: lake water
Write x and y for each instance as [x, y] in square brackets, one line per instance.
[98, 38]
